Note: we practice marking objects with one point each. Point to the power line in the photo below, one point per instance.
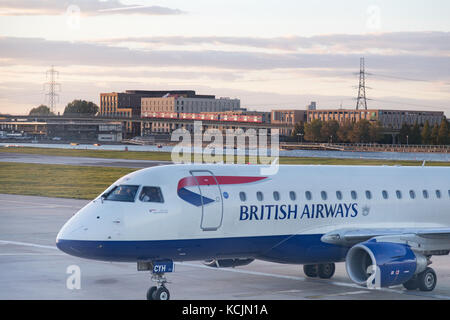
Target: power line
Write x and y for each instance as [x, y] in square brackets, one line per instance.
[399, 78]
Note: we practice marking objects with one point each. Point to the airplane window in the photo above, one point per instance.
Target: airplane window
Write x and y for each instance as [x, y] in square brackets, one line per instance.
[385, 194]
[368, 194]
[354, 195]
[308, 195]
[339, 195]
[276, 195]
[293, 196]
[151, 194]
[425, 194]
[125, 193]
[259, 196]
[323, 194]
[242, 196]
[412, 194]
[399, 194]
[449, 193]
[438, 194]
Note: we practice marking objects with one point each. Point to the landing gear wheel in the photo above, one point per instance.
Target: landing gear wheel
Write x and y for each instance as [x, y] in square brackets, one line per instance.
[161, 294]
[427, 280]
[150, 293]
[310, 270]
[411, 284]
[326, 270]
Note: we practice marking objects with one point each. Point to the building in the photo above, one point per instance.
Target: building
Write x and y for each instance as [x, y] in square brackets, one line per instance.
[290, 117]
[312, 106]
[65, 130]
[389, 119]
[184, 107]
[179, 103]
[128, 104]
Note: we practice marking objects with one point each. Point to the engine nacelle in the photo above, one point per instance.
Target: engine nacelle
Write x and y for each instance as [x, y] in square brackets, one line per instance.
[227, 263]
[382, 264]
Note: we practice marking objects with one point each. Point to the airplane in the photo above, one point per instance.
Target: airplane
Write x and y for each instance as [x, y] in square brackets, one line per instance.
[384, 222]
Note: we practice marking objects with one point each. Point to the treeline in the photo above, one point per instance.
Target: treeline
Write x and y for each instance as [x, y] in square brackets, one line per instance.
[365, 131]
[75, 107]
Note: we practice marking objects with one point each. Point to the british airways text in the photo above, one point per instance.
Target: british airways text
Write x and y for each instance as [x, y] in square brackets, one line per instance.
[308, 211]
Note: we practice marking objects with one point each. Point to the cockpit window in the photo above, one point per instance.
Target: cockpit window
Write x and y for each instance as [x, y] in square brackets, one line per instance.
[124, 193]
[151, 194]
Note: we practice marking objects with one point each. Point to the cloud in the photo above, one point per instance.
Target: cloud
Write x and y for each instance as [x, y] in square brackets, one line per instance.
[389, 43]
[84, 7]
[63, 53]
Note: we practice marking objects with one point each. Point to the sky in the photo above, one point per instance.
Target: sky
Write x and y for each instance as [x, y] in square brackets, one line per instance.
[269, 54]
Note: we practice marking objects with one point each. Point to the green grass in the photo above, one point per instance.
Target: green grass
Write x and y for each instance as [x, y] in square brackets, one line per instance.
[166, 156]
[133, 155]
[81, 182]
[57, 180]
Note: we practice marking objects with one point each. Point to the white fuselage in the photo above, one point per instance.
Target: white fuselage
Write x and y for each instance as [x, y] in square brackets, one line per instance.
[276, 217]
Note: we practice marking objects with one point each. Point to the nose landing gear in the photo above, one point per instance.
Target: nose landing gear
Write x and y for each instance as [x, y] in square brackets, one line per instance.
[160, 291]
[157, 268]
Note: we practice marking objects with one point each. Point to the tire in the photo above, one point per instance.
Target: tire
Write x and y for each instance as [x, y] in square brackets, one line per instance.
[161, 294]
[150, 293]
[411, 284]
[310, 270]
[427, 280]
[326, 270]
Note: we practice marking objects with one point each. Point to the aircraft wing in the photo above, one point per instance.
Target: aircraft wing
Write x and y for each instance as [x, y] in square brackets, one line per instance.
[425, 240]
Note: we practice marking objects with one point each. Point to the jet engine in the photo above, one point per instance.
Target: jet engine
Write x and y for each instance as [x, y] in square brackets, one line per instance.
[227, 263]
[383, 264]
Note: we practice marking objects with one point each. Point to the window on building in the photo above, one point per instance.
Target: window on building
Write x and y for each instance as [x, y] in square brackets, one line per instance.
[242, 196]
[293, 196]
[354, 195]
[425, 194]
[399, 194]
[259, 196]
[339, 195]
[385, 194]
[308, 195]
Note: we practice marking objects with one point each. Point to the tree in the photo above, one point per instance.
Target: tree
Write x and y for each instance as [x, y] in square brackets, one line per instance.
[42, 110]
[329, 130]
[299, 128]
[414, 137]
[312, 130]
[375, 132]
[344, 130]
[405, 132]
[360, 132]
[426, 133]
[434, 134]
[443, 135]
[81, 107]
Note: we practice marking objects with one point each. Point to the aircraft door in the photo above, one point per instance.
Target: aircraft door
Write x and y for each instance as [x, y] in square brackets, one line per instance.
[211, 198]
